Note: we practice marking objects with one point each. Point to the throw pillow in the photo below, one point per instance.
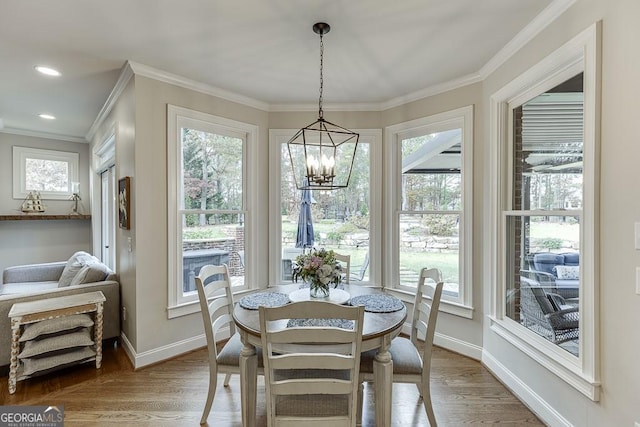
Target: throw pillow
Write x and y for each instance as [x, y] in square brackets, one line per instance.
[55, 343]
[74, 265]
[567, 272]
[91, 272]
[56, 325]
[40, 364]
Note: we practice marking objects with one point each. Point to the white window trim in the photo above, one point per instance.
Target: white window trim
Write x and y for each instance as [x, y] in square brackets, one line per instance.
[460, 117]
[373, 137]
[20, 156]
[104, 155]
[580, 54]
[178, 305]
[103, 158]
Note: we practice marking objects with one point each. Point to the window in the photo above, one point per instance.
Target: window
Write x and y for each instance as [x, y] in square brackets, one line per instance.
[48, 172]
[431, 192]
[207, 210]
[544, 213]
[345, 220]
[544, 125]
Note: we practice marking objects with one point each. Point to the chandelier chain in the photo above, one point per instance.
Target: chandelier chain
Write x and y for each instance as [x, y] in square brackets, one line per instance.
[320, 112]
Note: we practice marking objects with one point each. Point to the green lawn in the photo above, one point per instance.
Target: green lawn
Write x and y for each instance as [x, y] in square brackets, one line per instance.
[446, 262]
[560, 230]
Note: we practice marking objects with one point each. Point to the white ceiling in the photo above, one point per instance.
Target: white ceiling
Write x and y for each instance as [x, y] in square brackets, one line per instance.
[379, 53]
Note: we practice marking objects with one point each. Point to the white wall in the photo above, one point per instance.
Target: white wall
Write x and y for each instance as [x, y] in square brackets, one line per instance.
[27, 242]
[121, 120]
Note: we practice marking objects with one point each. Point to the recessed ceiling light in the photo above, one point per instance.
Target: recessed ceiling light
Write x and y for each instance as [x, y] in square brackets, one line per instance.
[47, 116]
[47, 70]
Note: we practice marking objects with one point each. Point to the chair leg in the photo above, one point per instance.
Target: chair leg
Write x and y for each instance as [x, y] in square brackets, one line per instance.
[213, 383]
[424, 388]
[227, 378]
[360, 403]
[426, 400]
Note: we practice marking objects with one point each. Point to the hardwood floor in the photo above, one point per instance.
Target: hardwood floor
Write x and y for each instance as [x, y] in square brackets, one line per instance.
[172, 393]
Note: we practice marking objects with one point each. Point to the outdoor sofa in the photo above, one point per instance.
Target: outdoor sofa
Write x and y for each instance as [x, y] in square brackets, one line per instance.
[558, 273]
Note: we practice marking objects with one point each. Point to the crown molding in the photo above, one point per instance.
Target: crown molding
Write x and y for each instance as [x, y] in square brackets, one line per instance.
[174, 79]
[381, 106]
[47, 135]
[432, 90]
[361, 106]
[539, 23]
[125, 75]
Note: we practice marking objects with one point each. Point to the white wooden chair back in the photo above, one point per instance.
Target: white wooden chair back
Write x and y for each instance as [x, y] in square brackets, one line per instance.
[425, 314]
[345, 260]
[216, 313]
[311, 372]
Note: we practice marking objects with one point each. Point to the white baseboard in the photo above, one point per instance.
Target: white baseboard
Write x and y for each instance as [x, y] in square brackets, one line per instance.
[159, 354]
[449, 343]
[168, 351]
[128, 348]
[462, 347]
[535, 403]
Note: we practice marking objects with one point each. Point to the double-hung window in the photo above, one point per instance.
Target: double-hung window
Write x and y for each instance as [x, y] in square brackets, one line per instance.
[544, 130]
[430, 195]
[207, 200]
[346, 220]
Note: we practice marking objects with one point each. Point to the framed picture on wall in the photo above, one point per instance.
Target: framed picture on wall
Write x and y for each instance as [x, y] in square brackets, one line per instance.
[124, 202]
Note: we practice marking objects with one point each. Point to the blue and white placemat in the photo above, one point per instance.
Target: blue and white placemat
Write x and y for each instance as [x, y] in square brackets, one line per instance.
[334, 323]
[378, 303]
[267, 299]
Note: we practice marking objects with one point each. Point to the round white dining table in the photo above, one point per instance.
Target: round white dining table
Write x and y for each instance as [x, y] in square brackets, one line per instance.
[378, 331]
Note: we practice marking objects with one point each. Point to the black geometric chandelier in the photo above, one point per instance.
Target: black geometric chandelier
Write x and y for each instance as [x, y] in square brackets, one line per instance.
[322, 153]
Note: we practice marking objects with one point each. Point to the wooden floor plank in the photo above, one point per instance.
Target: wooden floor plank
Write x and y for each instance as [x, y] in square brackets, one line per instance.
[172, 393]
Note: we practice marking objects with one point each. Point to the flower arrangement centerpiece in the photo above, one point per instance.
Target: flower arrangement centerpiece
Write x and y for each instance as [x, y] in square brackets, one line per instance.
[319, 268]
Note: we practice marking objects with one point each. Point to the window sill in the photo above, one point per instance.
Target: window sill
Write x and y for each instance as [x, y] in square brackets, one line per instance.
[445, 305]
[558, 361]
[191, 307]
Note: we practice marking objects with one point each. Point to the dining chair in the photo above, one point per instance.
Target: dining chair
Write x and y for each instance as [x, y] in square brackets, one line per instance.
[361, 269]
[216, 305]
[311, 352]
[345, 261]
[410, 364]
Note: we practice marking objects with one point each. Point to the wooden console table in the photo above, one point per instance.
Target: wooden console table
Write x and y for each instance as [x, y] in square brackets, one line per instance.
[29, 312]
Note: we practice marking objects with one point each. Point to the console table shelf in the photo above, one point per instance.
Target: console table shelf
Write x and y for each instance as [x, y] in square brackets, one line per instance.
[40, 217]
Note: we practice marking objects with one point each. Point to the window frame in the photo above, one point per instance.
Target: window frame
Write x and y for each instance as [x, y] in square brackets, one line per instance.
[581, 54]
[177, 117]
[20, 156]
[278, 137]
[457, 118]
